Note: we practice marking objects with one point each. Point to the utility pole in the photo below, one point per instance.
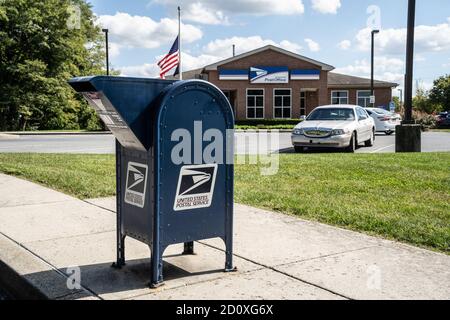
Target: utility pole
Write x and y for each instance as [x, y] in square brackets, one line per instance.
[107, 50]
[180, 69]
[408, 136]
[409, 61]
[372, 58]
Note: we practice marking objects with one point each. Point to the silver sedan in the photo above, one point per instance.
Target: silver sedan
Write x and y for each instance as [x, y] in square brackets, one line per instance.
[336, 126]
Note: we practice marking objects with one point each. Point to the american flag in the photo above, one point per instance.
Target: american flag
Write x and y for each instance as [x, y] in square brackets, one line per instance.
[170, 60]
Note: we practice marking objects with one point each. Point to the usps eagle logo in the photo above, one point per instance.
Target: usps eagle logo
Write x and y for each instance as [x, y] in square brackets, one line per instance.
[195, 188]
[136, 184]
[256, 73]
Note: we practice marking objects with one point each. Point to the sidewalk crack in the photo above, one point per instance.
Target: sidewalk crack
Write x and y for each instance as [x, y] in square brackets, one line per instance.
[284, 273]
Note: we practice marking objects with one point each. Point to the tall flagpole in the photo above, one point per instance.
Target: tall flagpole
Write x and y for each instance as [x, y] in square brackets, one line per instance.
[179, 44]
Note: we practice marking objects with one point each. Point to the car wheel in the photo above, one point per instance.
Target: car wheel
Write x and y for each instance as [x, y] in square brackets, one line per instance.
[369, 143]
[299, 149]
[389, 132]
[353, 143]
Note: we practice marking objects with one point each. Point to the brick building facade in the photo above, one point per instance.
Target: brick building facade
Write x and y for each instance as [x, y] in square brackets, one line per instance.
[271, 82]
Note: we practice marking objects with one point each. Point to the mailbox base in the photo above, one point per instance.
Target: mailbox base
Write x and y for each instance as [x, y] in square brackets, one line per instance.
[234, 269]
[188, 248]
[157, 285]
[117, 265]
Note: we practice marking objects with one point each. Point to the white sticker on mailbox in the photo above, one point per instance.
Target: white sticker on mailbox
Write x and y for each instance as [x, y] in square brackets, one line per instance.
[136, 184]
[195, 187]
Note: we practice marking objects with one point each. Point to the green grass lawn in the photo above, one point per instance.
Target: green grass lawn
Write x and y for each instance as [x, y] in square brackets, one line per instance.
[84, 176]
[398, 196]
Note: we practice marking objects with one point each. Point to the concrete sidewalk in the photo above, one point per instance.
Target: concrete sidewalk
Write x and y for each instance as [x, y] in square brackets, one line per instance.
[44, 232]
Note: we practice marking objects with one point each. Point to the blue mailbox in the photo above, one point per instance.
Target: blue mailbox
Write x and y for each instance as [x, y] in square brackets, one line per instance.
[174, 165]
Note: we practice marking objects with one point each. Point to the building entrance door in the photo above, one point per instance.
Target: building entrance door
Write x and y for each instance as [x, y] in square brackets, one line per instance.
[231, 96]
[308, 101]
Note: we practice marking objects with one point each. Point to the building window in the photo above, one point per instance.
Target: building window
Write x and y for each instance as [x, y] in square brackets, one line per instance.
[303, 103]
[363, 98]
[255, 103]
[282, 103]
[339, 97]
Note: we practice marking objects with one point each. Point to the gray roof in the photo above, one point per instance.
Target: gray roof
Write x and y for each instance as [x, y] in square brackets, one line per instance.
[325, 67]
[191, 74]
[337, 80]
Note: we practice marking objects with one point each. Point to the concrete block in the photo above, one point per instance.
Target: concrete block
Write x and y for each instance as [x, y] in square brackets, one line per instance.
[18, 192]
[108, 203]
[93, 254]
[54, 220]
[408, 138]
[379, 273]
[272, 239]
[30, 275]
[262, 284]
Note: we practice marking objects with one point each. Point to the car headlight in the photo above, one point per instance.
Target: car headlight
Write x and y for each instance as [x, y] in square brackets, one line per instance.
[338, 132]
[298, 132]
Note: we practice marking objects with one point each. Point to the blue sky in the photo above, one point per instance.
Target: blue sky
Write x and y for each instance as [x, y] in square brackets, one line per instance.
[332, 31]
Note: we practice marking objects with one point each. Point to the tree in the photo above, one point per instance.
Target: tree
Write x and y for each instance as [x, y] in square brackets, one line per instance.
[440, 93]
[39, 52]
[398, 104]
[422, 102]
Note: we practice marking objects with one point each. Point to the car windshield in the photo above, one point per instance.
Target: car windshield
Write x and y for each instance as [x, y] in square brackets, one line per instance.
[331, 114]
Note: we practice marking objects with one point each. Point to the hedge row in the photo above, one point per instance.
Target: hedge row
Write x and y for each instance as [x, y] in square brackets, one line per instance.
[268, 122]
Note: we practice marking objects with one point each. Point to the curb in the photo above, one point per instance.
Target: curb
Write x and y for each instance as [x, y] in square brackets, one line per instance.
[16, 286]
[7, 136]
[38, 133]
[26, 276]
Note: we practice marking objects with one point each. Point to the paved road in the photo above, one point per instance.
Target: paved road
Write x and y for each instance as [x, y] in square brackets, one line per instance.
[245, 143]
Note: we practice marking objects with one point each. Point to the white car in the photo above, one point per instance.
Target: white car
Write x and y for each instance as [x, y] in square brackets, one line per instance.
[336, 126]
[385, 121]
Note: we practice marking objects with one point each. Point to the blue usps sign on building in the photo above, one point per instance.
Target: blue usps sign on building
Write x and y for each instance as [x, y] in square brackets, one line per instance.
[269, 75]
[392, 106]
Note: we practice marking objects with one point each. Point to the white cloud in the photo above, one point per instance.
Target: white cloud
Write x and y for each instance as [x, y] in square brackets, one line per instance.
[393, 41]
[148, 70]
[312, 45]
[114, 49]
[199, 13]
[344, 44]
[221, 48]
[326, 6]
[290, 46]
[151, 70]
[213, 52]
[386, 69]
[218, 12]
[143, 32]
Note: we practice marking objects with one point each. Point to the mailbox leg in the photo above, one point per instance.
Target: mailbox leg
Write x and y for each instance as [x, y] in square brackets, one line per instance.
[120, 237]
[188, 248]
[120, 252]
[157, 267]
[229, 240]
[229, 255]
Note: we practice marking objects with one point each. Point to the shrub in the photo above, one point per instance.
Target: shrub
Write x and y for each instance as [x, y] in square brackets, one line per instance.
[426, 121]
[268, 122]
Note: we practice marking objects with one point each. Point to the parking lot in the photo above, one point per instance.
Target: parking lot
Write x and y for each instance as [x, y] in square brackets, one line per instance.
[246, 142]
